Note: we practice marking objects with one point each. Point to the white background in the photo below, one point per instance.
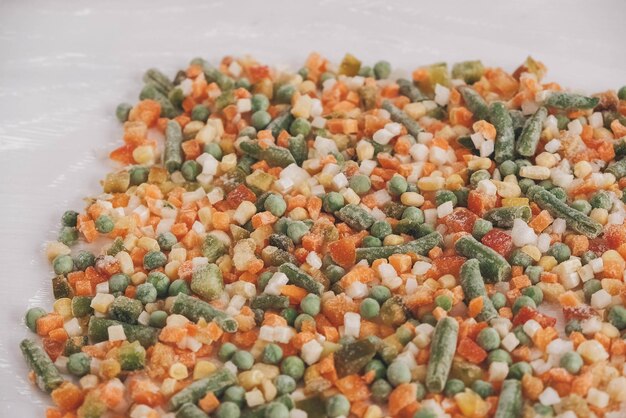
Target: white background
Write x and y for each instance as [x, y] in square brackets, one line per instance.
[65, 65]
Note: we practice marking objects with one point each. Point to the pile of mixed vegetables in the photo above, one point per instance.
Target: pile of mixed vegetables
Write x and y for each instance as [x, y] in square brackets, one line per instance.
[340, 242]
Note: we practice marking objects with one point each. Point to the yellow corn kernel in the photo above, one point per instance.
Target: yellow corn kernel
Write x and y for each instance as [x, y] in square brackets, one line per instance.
[447, 281]
[56, 248]
[228, 162]
[547, 262]
[171, 269]
[431, 184]
[454, 182]
[138, 278]
[515, 201]
[178, 254]
[178, 371]
[126, 262]
[412, 199]
[393, 239]
[600, 215]
[63, 307]
[532, 251]
[202, 369]
[298, 214]
[109, 368]
[144, 154]
[479, 163]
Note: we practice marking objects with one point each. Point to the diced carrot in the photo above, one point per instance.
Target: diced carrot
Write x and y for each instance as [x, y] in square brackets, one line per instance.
[475, 306]
[403, 395]
[209, 403]
[471, 351]
[68, 396]
[49, 322]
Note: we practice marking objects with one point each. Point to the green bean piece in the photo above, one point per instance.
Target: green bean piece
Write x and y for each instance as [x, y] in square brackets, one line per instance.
[160, 80]
[190, 410]
[410, 90]
[503, 217]
[266, 301]
[473, 287]
[618, 169]
[280, 122]
[274, 156]
[98, 331]
[510, 402]
[212, 248]
[172, 152]
[401, 117]
[218, 380]
[194, 309]
[125, 309]
[122, 111]
[493, 266]
[529, 138]
[443, 346]
[468, 71]
[301, 279]
[355, 216]
[152, 92]
[47, 375]
[563, 100]
[420, 246]
[298, 148]
[505, 137]
[577, 221]
[475, 103]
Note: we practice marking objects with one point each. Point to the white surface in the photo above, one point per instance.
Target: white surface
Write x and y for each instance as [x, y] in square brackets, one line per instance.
[64, 68]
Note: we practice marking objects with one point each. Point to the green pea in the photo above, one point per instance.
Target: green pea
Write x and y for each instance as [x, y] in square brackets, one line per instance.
[235, 394]
[158, 319]
[381, 390]
[275, 204]
[573, 326]
[382, 69]
[370, 242]
[560, 251]
[499, 356]
[333, 201]
[285, 384]
[397, 185]
[104, 224]
[498, 300]
[300, 126]
[160, 281]
[360, 183]
[523, 163]
[334, 273]
[300, 319]
[534, 273]
[572, 362]
[380, 229]
[154, 259]
[366, 71]
[68, 235]
[226, 351]
[443, 196]
[378, 367]
[461, 194]
[507, 168]
[228, 410]
[617, 317]
[200, 113]
[292, 366]
[380, 293]
[276, 410]
[284, 93]
[214, 149]
[398, 373]
[522, 301]
[243, 83]
[190, 170]
[259, 102]
[523, 338]
[546, 184]
[481, 227]
[290, 315]
[588, 256]
[138, 175]
[272, 354]
[63, 264]
[535, 293]
[488, 339]
[166, 240]
[118, 283]
[146, 293]
[326, 76]
[178, 286]
[453, 386]
[482, 388]
[122, 111]
[543, 410]
[478, 176]
[429, 318]
[621, 93]
[337, 406]
[79, 364]
[444, 302]
[69, 218]
[601, 200]
[243, 360]
[31, 317]
[414, 214]
[84, 259]
[296, 230]
[369, 308]
[311, 304]
[524, 184]
[260, 119]
[520, 258]
[519, 369]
